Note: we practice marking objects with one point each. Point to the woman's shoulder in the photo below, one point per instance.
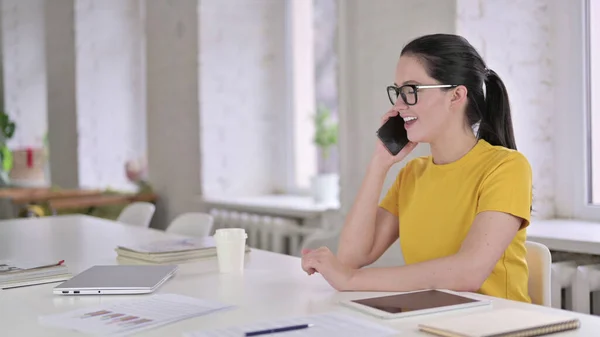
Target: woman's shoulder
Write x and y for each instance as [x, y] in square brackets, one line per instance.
[500, 156]
[498, 164]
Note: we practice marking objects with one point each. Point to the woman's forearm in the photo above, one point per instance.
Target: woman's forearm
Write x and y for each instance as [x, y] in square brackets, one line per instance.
[358, 234]
[452, 273]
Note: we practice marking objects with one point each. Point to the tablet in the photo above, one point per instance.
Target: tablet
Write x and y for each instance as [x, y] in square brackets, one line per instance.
[413, 303]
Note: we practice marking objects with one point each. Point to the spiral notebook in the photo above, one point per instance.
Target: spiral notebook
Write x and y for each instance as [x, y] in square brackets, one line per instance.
[501, 323]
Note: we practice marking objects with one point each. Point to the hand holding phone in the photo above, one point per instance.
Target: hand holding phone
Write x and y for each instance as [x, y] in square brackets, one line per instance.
[394, 137]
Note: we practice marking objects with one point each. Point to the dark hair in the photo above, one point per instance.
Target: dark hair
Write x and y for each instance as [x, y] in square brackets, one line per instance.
[451, 59]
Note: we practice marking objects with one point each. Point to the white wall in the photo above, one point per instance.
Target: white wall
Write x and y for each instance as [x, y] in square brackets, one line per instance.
[243, 96]
[24, 65]
[1, 57]
[517, 40]
[110, 90]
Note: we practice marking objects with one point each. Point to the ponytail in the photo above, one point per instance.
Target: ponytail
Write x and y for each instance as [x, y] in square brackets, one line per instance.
[496, 126]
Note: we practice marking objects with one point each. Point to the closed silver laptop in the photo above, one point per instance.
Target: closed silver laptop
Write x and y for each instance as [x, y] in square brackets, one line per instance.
[118, 279]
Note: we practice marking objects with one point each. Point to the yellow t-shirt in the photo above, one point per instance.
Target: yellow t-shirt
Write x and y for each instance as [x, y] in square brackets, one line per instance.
[436, 205]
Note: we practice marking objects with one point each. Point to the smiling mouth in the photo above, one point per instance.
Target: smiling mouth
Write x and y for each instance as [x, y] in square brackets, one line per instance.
[409, 119]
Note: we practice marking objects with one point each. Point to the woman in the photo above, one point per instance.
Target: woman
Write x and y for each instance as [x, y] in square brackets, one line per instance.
[460, 213]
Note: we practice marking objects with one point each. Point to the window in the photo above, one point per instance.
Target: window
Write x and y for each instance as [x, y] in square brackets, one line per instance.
[577, 115]
[594, 99]
[313, 88]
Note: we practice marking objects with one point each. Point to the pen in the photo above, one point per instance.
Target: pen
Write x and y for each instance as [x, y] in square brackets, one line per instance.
[275, 330]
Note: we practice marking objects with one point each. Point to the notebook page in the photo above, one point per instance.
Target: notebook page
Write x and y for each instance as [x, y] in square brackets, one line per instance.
[127, 317]
[325, 325]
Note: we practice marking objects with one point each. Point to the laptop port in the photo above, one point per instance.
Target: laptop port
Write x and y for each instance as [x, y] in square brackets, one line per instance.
[76, 292]
[65, 292]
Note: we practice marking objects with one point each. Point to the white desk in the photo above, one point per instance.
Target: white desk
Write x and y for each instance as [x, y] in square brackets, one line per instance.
[273, 285]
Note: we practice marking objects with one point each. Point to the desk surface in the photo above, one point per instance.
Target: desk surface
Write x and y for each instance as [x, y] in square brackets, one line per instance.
[272, 286]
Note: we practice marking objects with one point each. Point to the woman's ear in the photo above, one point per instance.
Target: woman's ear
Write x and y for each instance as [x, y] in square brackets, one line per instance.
[459, 96]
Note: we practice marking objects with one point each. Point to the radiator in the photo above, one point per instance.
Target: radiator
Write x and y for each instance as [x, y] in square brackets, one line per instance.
[273, 233]
[563, 279]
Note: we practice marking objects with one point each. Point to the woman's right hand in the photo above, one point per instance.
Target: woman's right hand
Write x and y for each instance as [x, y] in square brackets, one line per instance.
[382, 156]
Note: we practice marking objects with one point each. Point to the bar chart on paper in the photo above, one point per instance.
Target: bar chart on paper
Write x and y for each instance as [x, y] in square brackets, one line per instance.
[133, 316]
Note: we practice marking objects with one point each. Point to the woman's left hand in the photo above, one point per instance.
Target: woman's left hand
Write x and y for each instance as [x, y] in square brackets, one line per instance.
[324, 262]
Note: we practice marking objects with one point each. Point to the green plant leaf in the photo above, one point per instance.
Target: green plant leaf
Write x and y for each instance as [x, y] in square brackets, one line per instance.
[326, 130]
[6, 159]
[7, 127]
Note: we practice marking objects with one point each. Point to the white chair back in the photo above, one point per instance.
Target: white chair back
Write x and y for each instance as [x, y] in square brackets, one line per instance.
[192, 224]
[539, 262]
[137, 214]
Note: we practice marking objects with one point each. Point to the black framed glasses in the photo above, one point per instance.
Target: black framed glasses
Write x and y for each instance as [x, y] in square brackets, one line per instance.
[408, 92]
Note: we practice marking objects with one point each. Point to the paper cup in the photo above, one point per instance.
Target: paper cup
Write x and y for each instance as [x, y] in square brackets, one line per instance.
[231, 249]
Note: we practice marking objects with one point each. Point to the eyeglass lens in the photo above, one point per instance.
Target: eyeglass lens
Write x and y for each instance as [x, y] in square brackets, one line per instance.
[408, 94]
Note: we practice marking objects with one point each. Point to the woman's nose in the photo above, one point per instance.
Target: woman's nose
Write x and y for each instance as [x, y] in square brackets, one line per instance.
[400, 106]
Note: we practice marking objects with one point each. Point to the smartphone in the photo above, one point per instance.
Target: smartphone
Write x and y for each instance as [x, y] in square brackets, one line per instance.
[393, 134]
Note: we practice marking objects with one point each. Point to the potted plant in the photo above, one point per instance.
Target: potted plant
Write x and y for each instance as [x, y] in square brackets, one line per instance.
[325, 185]
[7, 130]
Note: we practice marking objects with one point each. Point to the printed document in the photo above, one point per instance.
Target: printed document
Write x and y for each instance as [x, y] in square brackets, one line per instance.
[131, 316]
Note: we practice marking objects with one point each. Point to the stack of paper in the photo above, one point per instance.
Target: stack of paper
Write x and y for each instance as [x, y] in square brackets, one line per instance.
[322, 325]
[169, 251]
[25, 273]
[132, 316]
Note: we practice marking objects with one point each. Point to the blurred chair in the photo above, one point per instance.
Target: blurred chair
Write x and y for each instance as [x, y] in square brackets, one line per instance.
[539, 262]
[137, 214]
[192, 224]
